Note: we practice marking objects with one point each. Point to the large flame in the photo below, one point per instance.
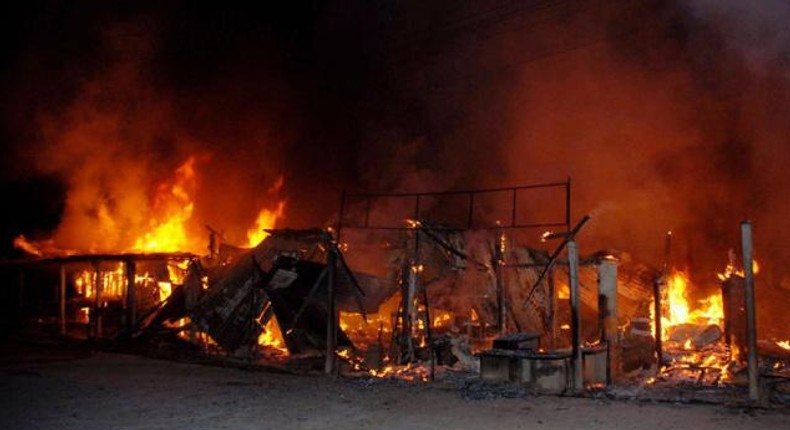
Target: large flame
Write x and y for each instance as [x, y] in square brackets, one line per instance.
[708, 311]
[171, 211]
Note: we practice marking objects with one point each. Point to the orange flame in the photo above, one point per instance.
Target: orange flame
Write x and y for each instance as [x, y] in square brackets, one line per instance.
[266, 220]
[272, 337]
[172, 209]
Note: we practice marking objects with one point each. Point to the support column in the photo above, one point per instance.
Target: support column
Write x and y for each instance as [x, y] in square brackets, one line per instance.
[131, 298]
[576, 351]
[502, 304]
[62, 301]
[751, 319]
[607, 289]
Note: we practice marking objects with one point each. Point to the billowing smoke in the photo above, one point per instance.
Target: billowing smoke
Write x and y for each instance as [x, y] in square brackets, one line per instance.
[667, 115]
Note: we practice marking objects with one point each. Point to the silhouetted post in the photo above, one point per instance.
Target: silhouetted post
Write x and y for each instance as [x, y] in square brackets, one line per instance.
[62, 300]
[131, 299]
[607, 289]
[751, 320]
[576, 351]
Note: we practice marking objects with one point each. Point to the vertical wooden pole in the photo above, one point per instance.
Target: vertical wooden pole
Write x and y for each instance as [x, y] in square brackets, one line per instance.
[97, 311]
[659, 285]
[576, 351]
[131, 298]
[607, 288]
[500, 284]
[751, 319]
[331, 311]
[552, 307]
[568, 205]
[62, 300]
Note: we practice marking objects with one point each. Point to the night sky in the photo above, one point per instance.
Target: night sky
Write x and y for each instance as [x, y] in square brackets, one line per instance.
[666, 114]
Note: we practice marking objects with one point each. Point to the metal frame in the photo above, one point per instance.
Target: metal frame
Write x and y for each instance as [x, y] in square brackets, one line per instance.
[369, 198]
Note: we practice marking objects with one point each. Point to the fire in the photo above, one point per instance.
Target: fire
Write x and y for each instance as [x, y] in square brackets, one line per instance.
[784, 344]
[272, 337]
[112, 282]
[730, 270]
[709, 310]
[171, 211]
[266, 220]
[442, 318]
[21, 242]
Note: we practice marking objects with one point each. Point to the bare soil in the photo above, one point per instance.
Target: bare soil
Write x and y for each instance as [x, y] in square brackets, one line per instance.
[57, 388]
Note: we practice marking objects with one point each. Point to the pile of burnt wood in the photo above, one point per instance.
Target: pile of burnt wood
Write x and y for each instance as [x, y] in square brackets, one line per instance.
[232, 294]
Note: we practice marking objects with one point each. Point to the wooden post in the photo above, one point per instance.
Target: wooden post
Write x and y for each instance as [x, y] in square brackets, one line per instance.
[97, 311]
[331, 311]
[131, 299]
[551, 311]
[62, 300]
[751, 319]
[576, 351]
[607, 289]
[500, 284]
[659, 286]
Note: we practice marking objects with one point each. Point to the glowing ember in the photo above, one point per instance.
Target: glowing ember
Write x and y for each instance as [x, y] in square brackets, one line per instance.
[272, 337]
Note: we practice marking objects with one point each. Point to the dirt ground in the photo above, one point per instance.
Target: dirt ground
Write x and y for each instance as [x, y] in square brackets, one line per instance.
[56, 389]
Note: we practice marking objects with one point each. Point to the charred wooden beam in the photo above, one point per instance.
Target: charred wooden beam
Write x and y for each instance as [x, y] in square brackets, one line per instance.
[751, 319]
[62, 300]
[573, 258]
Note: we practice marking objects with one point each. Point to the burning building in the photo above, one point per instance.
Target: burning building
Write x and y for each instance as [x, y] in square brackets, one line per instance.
[174, 149]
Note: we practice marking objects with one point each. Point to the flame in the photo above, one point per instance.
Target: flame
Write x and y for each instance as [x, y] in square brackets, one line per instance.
[21, 242]
[107, 283]
[709, 310]
[442, 318]
[272, 337]
[171, 210]
[784, 344]
[730, 270]
[266, 220]
[545, 236]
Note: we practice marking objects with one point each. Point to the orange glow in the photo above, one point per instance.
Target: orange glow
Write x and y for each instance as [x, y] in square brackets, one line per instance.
[441, 318]
[171, 211]
[709, 311]
[21, 242]
[272, 337]
[266, 220]
[730, 270]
